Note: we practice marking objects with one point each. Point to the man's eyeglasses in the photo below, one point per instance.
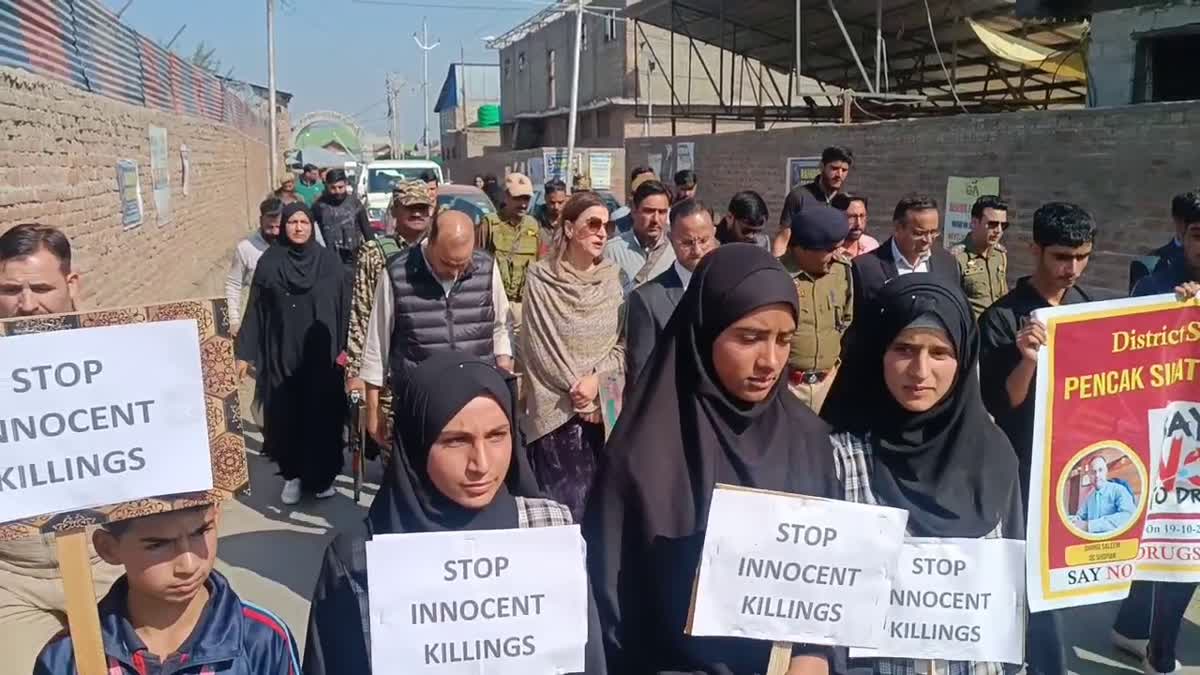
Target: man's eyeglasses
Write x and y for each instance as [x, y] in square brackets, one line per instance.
[993, 224]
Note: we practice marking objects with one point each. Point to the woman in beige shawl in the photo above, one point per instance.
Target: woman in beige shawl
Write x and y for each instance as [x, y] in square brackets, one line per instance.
[569, 342]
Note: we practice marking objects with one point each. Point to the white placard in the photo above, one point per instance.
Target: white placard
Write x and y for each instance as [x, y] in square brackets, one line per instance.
[790, 568]
[96, 416]
[958, 600]
[487, 602]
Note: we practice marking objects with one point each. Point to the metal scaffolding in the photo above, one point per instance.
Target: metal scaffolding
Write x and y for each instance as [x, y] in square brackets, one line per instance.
[797, 60]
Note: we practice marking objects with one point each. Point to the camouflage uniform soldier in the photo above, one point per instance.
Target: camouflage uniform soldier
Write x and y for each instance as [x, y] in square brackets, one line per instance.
[982, 260]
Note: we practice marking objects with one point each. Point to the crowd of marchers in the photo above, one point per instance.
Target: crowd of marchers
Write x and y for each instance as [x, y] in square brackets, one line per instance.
[537, 369]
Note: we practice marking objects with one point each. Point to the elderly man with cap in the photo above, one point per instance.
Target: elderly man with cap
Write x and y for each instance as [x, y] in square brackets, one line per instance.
[825, 288]
[412, 211]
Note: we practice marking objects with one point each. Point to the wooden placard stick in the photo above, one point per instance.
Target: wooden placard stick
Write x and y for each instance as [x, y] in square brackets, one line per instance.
[781, 658]
[82, 616]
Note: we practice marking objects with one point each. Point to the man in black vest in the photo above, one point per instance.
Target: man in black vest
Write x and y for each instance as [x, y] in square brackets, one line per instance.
[342, 220]
[442, 295]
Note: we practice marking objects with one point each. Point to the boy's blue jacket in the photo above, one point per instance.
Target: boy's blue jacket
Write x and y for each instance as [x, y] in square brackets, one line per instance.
[233, 638]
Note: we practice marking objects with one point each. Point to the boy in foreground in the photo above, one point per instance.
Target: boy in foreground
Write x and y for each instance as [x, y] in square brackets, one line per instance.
[171, 613]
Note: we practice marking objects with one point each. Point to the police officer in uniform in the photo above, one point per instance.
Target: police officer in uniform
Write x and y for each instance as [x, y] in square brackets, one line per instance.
[826, 292]
[982, 260]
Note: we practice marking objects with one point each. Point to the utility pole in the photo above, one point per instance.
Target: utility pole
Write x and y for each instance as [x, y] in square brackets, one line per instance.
[274, 131]
[462, 72]
[572, 119]
[423, 43]
[394, 85]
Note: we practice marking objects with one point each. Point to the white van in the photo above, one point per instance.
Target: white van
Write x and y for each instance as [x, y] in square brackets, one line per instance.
[376, 180]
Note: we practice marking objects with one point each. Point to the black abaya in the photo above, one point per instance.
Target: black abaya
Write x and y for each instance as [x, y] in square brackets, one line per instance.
[293, 333]
[679, 434]
[950, 467]
[339, 636]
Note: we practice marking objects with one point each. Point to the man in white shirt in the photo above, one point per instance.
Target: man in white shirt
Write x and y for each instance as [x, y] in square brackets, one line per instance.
[246, 255]
[693, 236]
[914, 247]
[438, 296]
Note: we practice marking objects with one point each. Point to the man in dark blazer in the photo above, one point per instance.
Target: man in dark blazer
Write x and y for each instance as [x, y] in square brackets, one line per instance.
[650, 305]
[914, 248]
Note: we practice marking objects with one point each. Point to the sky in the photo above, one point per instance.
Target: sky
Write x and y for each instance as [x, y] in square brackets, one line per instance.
[336, 54]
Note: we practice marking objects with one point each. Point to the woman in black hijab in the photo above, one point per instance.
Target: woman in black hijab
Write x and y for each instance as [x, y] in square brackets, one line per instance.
[293, 333]
[710, 407]
[430, 487]
[910, 429]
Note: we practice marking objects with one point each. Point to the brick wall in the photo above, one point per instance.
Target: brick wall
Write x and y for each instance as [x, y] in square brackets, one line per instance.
[1123, 164]
[58, 167]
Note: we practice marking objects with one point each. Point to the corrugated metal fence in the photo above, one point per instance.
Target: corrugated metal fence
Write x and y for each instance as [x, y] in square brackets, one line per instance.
[81, 43]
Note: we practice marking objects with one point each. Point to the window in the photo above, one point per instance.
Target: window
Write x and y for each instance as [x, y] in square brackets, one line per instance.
[550, 75]
[1159, 75]
[521, 62]
[610, 26]
[603, 124]
[507, 68]
[583, 36]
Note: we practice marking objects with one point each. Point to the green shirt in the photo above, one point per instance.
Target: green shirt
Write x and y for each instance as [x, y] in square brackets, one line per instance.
[984, 278]
[309, 193]
[515, 248]
[826, 307]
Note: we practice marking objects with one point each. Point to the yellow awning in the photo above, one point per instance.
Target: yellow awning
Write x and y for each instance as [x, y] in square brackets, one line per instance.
[1066, 65]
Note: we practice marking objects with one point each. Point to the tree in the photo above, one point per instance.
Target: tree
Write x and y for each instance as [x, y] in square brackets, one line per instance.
[206, 57]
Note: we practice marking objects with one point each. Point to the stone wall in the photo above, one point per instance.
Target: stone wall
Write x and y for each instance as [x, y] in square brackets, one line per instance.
[1123, 164]
[58, 167]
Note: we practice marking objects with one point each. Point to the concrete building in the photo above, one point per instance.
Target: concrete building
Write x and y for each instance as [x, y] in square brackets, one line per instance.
[468, 87]
[622, 78]
[1145, 53]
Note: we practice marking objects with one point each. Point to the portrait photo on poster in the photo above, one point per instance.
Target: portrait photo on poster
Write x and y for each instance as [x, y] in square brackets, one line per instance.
[1102, 491]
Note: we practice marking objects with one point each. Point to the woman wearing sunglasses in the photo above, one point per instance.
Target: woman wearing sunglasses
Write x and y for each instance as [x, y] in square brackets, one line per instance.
[568, 345]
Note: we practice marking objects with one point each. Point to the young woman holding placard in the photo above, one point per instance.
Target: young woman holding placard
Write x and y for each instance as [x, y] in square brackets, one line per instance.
[709, 407]
[458, 465]
[927, 445]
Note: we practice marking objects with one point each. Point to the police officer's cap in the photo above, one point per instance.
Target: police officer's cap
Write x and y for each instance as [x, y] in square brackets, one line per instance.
[818, 227]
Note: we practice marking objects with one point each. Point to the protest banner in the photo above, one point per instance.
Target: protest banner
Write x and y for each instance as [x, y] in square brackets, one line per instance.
[801, 170]
[482, 602]
[956, 600]
[1114, 386]
[109, 415]
[790, 568]
[961, 194]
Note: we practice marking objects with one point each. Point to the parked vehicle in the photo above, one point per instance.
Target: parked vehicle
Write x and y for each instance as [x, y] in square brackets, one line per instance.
[466, 198]
[377, 179]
